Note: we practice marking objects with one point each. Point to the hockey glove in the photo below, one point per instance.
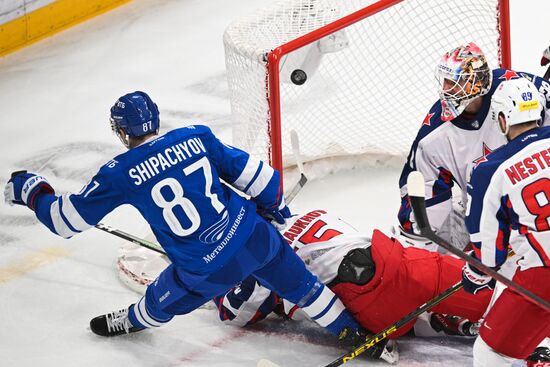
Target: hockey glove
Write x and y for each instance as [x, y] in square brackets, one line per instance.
[474, 280]
[278, 214]
[540, 357]
[23, 188]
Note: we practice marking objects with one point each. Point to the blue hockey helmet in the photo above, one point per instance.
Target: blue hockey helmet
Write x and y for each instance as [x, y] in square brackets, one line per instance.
[136, 114]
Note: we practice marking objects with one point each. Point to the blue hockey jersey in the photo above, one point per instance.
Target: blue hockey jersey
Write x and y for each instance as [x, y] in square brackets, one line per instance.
[174, 182]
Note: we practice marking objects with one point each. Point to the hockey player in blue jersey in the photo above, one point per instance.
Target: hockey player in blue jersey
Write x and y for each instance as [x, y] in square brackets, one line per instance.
[213, 236]
[509, 206]
[456, 133]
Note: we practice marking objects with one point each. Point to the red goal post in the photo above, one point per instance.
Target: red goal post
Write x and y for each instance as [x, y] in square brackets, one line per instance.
[369, 68]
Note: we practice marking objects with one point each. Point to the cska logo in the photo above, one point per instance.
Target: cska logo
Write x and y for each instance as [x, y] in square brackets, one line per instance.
[483, 158]
[509, 74]
[427, 119]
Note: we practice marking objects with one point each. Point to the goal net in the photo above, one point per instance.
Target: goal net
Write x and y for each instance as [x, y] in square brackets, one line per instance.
[352, 77]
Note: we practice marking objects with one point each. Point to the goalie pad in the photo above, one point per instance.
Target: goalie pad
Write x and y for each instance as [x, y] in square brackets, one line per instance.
[453, 229]
[137, 267]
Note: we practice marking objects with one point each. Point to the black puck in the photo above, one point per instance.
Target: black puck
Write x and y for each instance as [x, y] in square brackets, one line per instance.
[298, 77]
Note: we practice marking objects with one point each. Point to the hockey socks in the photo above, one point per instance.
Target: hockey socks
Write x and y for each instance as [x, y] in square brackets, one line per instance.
[144, 317]
[129, 320]
[324, 307]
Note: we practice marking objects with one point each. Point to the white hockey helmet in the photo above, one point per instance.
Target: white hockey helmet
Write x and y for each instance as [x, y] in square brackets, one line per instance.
[518, 100]
[463, 74]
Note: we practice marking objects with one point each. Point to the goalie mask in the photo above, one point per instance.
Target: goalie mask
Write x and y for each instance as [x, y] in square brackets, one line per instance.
[519, 101]
[136, 115]
[463, 74]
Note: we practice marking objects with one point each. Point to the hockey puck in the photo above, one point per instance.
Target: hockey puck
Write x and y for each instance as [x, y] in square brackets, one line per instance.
[298, 77]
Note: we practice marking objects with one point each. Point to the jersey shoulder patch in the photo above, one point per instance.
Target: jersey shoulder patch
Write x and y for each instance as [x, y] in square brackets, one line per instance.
[502, 74]
[431, 121]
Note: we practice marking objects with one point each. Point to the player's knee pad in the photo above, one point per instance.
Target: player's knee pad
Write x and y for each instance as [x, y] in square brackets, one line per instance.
[357, 267]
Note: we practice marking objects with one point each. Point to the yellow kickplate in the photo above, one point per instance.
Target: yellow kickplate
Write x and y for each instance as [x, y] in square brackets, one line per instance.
[49, 20]
[31, 262]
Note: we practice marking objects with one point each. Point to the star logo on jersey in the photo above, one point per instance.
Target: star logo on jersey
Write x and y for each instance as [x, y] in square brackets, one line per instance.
[483, 158]
[427, 119]
[509, 74]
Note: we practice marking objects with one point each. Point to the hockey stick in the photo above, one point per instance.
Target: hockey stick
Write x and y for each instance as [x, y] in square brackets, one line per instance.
[303, 179]
[128, 237]
[144, 243]
[378, 337]
[415, 187]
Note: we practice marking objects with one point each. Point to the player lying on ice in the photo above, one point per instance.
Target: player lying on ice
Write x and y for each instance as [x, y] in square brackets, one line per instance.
[213, 236]
[378, 279]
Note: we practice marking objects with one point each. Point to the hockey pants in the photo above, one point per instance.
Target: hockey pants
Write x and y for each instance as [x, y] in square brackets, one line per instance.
[267, 257]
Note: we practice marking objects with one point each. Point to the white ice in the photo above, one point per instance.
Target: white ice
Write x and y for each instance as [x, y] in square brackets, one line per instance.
[54, 101]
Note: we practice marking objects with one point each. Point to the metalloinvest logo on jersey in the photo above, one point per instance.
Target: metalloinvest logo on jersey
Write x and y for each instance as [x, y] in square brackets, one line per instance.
[227, 238]
[215, 232]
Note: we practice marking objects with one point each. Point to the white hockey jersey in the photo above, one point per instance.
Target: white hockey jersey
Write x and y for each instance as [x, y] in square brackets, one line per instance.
[509, 202]
[321, 240]
[444, 152]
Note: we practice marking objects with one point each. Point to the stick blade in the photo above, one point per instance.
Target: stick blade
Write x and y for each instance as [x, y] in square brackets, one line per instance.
[295, 143]
[416, 192]
[266, 363]
[415, 184]
[296, 189]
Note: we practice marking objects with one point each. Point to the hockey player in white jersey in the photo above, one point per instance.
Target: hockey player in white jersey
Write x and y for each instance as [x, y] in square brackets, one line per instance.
[378, 279]
[456, 133]
[212, 235]
[509, 206]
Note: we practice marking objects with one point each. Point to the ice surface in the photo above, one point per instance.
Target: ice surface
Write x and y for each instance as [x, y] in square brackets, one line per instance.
[54, 101]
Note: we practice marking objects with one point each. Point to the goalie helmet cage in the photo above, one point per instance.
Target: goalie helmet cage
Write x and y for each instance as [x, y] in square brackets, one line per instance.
[352, 77]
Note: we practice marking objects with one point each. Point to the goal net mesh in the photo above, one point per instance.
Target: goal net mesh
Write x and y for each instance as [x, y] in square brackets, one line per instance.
[369, 85]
